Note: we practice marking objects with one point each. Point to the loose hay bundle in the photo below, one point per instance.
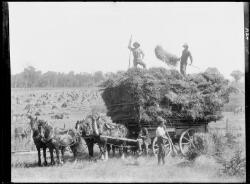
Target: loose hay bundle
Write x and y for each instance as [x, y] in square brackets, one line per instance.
[165, 56]
[144, 95]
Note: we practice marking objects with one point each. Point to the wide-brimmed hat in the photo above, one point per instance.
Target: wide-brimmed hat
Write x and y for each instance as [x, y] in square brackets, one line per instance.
[136, 44]
[185, 45]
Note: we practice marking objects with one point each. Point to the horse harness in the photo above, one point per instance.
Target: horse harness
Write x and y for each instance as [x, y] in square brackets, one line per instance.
[60, 144]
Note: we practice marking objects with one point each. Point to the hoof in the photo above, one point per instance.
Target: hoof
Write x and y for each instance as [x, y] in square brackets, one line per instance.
[39, 164]
[45, 163]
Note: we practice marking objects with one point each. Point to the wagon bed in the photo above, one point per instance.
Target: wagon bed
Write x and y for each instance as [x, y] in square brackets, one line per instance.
[179, 130]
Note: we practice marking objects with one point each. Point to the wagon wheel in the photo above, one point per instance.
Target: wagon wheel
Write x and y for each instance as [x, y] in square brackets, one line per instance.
[186, 140]
[167, 145]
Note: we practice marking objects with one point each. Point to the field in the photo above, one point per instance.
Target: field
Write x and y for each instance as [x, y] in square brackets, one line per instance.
[74, 104]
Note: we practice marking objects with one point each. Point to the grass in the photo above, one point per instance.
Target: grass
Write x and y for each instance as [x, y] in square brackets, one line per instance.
[206, 167]
[128, 170]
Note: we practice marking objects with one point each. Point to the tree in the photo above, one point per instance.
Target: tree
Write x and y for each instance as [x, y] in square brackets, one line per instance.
[98, 76]
[31, 76]
[237, 75]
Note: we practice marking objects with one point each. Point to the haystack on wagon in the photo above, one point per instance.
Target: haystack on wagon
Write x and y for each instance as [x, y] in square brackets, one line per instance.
[137, 98]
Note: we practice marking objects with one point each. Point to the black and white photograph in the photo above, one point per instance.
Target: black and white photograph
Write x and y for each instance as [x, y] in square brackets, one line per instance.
[127, 91]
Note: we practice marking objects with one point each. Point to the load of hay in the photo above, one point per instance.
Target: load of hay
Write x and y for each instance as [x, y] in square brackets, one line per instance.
[142, 96]
[166, 57]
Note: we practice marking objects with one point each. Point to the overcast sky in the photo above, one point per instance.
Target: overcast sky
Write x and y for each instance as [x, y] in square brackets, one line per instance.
[87, 37]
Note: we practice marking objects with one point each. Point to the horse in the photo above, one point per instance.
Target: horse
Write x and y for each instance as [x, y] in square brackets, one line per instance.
[38, 139]
[59, 139]
[84, 129]
[90, 131]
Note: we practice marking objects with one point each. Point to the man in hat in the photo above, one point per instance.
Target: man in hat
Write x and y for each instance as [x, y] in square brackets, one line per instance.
[143, 139]
[161, 135]
[184, 57]
[137, 53]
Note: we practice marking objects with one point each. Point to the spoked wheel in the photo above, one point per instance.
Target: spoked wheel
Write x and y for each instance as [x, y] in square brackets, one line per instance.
[186, 140]
[167, 146]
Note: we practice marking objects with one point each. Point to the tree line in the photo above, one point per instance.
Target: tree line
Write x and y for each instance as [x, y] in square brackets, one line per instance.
[30, 77]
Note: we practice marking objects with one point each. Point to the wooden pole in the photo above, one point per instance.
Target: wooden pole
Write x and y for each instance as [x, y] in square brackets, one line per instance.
[118, 138]
[129, 51]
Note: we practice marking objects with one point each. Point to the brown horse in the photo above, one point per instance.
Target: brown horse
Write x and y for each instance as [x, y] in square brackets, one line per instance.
[59, 139]
[85, 130]
[92, 127]
[34, 124]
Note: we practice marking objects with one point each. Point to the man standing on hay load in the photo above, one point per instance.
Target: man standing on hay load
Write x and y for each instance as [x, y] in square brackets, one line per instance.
[137, 53]
[143, 140]
[161, 135]
[184, 57]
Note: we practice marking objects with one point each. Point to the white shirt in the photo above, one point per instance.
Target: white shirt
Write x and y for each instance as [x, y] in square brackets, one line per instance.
[160, 132]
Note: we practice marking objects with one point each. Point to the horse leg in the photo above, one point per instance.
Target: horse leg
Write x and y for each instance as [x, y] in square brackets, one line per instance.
[39, 155]
[73, 149]
[22, 137]
[113, 149]
[51, 156]
[101, 147]
[90, 146]
[106, 157]
[123, 157]
[19, 139]
[146, 148]
[44, 156]
[57, 155]
[62, 151]
[108, 148]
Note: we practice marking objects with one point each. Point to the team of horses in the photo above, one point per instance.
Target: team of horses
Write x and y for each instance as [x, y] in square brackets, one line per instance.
[46, 136]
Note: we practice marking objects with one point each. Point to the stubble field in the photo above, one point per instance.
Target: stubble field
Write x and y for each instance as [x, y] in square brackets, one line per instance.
[74, 104]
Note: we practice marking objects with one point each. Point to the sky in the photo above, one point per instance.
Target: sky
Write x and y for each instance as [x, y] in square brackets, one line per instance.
[94, 36]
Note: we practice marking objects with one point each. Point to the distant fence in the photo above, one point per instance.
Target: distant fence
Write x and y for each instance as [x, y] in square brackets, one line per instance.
[227, 128]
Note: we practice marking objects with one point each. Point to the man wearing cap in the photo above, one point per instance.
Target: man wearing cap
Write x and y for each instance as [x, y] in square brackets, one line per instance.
[184, 57]
[161, 135]
[137, 53]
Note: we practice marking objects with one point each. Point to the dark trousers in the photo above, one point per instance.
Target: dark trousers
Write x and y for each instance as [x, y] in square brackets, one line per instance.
[139, 62]
[183, 68]
[161, 152]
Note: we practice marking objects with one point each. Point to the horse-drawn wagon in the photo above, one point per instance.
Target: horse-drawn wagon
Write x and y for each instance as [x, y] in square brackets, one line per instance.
[137, 98]
[178, 131]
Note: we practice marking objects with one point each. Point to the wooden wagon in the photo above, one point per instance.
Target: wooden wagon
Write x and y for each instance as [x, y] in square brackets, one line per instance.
[179, 131]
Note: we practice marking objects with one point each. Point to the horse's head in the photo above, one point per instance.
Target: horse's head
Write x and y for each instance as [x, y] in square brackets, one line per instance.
[79, 127]
[33, 122]
[45, 130]
[41, 131]
[87, 126]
